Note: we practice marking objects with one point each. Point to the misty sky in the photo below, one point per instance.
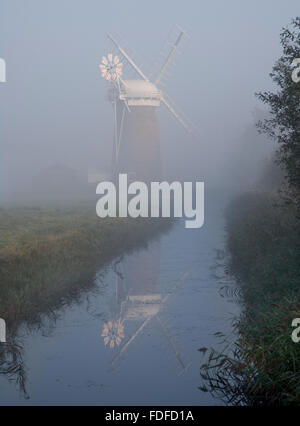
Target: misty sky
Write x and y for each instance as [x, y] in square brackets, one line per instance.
[53, 108]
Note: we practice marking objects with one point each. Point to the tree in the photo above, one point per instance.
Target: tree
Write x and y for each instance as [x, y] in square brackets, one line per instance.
[284, 107]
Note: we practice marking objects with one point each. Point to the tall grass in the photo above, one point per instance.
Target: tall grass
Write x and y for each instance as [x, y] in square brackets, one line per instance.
[263, 367]
[48, 257]
[48, 254]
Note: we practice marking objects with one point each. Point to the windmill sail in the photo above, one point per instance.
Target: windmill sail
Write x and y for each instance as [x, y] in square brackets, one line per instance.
[178, 117]
[169, 58]
[128, 58]
[136, 144]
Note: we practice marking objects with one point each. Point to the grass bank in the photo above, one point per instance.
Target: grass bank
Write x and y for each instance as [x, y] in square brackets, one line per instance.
[49, 254]
[263, 367]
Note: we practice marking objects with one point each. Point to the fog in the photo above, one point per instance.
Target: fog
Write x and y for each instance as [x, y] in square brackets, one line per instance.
[53, 108]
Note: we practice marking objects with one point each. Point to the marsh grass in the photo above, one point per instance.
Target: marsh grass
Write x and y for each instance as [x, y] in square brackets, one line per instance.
[49, 254]
[263, 366]
[48, 258]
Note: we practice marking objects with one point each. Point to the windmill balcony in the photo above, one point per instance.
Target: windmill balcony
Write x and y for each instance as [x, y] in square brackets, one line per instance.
[140, 93]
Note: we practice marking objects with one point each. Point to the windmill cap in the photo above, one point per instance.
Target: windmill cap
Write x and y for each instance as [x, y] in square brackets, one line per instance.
[140, 89]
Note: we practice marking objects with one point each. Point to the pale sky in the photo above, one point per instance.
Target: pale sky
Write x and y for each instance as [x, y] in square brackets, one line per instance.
[53, 108]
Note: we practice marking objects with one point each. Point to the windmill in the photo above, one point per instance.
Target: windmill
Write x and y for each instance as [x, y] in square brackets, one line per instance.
[136, 149]
[136, 299]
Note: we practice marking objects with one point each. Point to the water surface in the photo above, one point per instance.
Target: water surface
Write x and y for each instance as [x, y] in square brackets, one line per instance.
[134, 339]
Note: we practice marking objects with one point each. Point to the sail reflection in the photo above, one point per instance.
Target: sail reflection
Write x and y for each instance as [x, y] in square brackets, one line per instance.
[137, 298]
